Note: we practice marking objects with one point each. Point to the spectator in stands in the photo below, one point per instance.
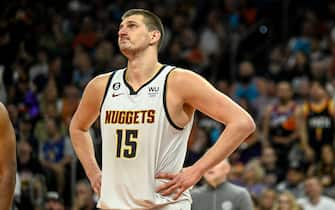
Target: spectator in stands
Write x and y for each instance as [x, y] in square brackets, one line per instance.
[55, 154]
[38, 72]
[253, 176]
[40, 130]
[84, 197]
[49, 97]
[267, 96]
[298, 68]
[212, 35]
[266, 200]
[325, 170]
[236, 173]
[279, 127]
[276, 63]
[55, 73]
[31, 176]
[87, 36]
[273, 173]
[293, 180]
[246, 86]
[303, 43]
[84, 69]
[218, 193]
[286, 201]
[316, 121]
[26, 134]
[24, 96]
[314, 198]
[53, 201]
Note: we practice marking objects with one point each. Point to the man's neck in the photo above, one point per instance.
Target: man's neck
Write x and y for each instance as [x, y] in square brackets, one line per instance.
[141, 68]
[217, 183]
[315, 200]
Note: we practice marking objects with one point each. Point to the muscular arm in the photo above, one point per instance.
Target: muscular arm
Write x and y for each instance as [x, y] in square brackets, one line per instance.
[85, 115]
[7, 160]
[189, 91]
[199, 94]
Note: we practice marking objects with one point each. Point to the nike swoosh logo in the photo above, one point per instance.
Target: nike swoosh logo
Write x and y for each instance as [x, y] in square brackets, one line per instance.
[117, 94]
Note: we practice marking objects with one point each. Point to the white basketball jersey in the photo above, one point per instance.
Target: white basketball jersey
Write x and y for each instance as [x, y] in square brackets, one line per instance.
[139, 140]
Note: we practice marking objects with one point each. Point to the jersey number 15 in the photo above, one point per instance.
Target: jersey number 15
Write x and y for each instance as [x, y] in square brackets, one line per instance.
[126, 143]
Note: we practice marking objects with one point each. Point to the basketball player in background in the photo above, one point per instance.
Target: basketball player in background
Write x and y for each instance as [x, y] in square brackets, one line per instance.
[7, 160]
[146, 113]
[316, 121]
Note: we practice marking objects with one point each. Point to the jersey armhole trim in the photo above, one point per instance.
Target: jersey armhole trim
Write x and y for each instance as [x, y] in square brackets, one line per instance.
[106, 89]
[165, 104]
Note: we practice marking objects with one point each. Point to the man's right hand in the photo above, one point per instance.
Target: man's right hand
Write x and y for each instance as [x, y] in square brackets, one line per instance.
[95, 181]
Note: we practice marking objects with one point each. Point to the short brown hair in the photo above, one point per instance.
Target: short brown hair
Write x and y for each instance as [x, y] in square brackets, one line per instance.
[151, 20]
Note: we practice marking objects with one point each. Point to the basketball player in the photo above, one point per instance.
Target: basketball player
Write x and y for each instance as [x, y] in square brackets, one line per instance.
[279, 124]
[7, 160]
[146, 113]
[316, 121]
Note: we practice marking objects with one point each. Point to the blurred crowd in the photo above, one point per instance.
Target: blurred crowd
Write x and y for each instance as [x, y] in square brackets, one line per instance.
[275, 58]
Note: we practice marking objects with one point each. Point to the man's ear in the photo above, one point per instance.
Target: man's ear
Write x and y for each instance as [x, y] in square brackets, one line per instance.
[155, 36]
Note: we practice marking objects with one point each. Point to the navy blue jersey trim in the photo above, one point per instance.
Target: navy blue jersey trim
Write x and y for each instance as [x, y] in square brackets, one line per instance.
[131, 90]
[165, 104]
[106, 89]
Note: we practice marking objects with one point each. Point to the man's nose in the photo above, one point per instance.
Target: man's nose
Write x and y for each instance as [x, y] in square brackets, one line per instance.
[122, 32]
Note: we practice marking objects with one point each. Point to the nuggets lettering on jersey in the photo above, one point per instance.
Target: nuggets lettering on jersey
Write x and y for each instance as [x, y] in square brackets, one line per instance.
[129, 117]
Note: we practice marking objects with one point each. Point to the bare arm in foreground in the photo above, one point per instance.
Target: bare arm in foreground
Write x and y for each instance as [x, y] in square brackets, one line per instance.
[7, 160]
